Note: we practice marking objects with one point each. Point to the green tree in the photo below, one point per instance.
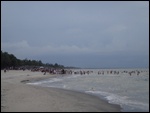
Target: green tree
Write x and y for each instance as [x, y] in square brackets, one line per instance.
[9, 60]
[13, 60]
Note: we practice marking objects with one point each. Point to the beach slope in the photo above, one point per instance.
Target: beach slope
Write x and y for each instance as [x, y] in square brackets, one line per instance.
[20, 97]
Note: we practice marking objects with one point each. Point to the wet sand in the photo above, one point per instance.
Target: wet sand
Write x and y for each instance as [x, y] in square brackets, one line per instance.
[16, 96]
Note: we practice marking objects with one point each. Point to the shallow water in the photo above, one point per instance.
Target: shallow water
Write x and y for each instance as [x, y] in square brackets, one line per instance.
[129, 91]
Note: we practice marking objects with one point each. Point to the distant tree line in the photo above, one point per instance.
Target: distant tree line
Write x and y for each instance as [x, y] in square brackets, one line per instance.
[9, 60]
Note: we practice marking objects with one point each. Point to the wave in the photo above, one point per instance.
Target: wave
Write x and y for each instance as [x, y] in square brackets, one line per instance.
[123, 101]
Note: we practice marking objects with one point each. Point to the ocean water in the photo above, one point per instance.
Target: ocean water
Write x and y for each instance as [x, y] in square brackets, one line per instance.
[131, 92]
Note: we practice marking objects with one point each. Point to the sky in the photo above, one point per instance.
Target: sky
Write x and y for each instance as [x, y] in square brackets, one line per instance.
[86, 34]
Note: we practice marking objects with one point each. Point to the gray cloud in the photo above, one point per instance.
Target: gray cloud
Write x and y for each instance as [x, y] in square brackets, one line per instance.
[79, 32]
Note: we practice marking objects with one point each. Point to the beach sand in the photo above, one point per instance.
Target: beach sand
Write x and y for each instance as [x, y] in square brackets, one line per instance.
[16, 96]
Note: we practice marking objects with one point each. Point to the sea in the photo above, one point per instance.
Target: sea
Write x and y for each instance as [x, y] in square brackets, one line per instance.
[128, 88]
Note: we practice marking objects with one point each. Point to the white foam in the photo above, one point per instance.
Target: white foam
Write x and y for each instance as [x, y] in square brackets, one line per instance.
[73, 76]
[47, 81]
[121, 100]
[54, 80]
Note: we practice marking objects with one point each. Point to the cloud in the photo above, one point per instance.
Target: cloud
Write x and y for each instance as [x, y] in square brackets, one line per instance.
[144, 4]
[23, 49]
[65, 29]
[116, 29]
[17, 45]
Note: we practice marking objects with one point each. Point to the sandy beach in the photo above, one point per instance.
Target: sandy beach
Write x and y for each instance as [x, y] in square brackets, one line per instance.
[16, 96]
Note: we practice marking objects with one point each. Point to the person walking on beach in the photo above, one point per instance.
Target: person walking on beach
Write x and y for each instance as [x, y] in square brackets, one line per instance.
[44, 72]
[4, 70]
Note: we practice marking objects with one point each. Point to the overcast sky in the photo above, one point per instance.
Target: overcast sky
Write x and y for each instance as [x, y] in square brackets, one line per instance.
[83, 34]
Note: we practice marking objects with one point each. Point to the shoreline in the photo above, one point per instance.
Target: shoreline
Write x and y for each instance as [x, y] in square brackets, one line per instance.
[18, 96]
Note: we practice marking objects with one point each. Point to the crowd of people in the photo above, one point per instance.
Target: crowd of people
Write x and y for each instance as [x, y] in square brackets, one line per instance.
[45, 70]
